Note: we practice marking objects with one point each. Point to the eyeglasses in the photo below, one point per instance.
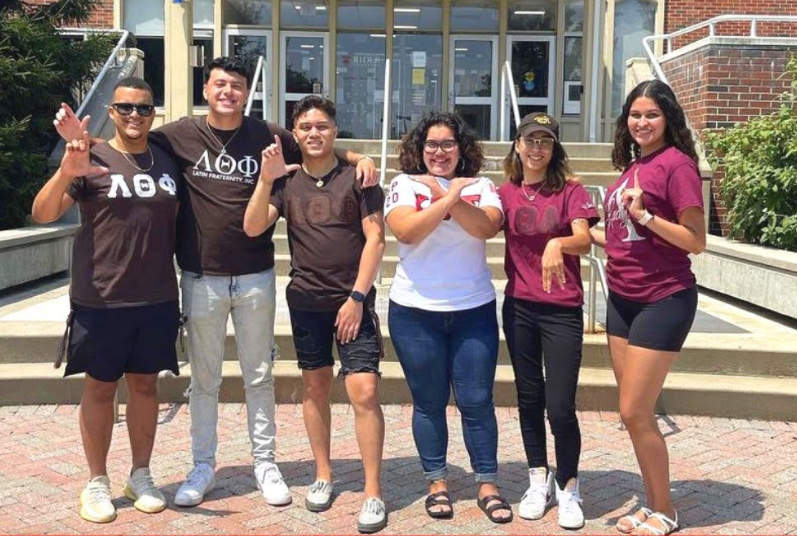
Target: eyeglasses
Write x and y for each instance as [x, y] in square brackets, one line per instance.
[540, 143]
[431, 146]
[126, 108]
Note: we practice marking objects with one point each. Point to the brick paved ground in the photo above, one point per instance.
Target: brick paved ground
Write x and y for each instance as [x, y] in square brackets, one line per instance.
[729, 476]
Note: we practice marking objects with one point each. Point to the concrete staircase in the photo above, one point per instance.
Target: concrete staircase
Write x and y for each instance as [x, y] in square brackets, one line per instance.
[738, 364]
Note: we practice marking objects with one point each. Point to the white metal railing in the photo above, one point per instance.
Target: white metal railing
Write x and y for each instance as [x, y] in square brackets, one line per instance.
[388, 96]
[124, 35]
[508, 80]
[260, 74]
[711, 24]
[596, 268]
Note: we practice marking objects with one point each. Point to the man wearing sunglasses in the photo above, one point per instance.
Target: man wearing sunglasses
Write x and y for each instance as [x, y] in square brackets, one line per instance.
[224, 272]
[125, 311]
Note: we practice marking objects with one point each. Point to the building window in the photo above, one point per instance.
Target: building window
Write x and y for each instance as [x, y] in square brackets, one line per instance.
[145, 20]
[361, 15]
[304, 14]
[474, 16]
[532, 16]
[409, 15]
[249, 12]
[573, 54]
[360, 85]
[633, 21]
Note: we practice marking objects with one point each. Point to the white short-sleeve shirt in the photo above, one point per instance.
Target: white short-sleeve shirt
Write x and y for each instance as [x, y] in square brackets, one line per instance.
[447, 270]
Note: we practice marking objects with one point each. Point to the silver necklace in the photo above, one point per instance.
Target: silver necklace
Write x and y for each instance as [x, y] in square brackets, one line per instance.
[534, 195]
[319, 180]
[132, 161]
[223, 145]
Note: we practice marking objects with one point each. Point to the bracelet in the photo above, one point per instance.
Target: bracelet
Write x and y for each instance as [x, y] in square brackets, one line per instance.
[645, 219]
[366, 157]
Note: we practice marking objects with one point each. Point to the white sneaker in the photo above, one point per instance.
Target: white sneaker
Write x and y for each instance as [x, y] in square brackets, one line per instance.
[570, 514]
[199, 481]
[269, 480]
[373, 516]
[142, 491]
[95, 501]
[539, 495]
[319, 496]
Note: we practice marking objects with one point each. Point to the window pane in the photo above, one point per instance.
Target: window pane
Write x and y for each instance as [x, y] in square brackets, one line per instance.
[255, 12]
[304, 14]
[304, 64]
[361, 15]
[199, 72]
[572, 76]
[360, 85]
[417, 15]
[417, 66]
[203, 13]
[574, 16]
[474, 15]
[633, 21]
[146, 18]
[154, 65]
[532, 16]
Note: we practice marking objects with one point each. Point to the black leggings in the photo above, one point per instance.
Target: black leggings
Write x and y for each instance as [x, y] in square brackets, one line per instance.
[533, 331]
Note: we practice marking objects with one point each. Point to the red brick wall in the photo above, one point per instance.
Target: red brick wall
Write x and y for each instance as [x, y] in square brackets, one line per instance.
[721, 84]
[101, 18]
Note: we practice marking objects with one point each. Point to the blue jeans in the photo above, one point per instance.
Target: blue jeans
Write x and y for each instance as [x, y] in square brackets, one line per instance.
[438, 351]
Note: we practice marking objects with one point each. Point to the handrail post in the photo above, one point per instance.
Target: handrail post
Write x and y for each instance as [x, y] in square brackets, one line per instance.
[388, 97]
[502, 111]
[264, 113]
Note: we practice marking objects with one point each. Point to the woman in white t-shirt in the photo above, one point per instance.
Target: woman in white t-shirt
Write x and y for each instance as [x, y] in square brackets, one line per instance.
[442, 315]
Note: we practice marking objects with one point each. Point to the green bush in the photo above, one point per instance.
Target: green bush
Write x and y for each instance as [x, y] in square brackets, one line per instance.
[759, 189]
[39, 70]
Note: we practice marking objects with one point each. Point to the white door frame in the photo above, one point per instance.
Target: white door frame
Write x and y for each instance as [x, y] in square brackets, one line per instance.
[232, 31]
[548, 102]
[283, 96]
[492, 100]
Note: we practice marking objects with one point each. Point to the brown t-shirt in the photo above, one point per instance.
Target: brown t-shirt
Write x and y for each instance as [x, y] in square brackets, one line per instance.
[216, 190]
[123, 253]
[325, 234]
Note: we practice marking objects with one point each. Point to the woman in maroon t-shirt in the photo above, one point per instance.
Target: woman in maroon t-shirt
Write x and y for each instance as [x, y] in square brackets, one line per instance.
[546, 224]
[654, 219]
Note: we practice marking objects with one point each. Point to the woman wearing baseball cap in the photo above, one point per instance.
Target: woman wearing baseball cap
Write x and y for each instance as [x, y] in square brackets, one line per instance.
[546, 224]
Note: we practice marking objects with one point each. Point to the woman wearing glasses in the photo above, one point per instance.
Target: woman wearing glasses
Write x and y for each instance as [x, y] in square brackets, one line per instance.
[547, 220]
[442, 302]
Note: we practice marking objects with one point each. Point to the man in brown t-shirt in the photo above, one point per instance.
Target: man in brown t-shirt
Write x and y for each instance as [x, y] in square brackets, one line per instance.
[125, 313]
[336, 236]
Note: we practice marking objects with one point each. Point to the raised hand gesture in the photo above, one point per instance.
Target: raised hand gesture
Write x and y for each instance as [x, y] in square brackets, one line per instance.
[431, 183]
[272, 162]
[76, 163]
[68, 126]
[456, 185]
[632, 199]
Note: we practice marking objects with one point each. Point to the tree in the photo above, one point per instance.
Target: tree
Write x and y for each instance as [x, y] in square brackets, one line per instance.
[39, 69]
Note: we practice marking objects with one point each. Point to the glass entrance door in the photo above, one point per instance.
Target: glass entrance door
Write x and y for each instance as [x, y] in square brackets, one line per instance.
[248, 45]
[533, 69]
[304, 67]
[473, 94]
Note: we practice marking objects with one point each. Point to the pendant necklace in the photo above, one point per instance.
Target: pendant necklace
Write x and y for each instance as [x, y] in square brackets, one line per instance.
[129, 158]
[534, 195]
[223, 145]
[319, 180]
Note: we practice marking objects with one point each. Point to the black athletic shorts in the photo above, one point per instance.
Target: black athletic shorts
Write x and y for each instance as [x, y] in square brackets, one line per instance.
[107, 343]
[660, 325]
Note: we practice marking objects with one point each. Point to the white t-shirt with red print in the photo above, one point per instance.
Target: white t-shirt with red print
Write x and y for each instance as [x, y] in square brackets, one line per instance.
[447, 270]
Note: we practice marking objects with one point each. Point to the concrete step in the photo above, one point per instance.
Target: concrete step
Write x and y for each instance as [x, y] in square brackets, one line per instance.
[496, 163]
[740, 397]
[490, 148]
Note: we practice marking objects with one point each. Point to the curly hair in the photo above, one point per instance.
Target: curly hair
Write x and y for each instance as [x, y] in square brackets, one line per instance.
[677, 133]
[470, 150]
[556, 176]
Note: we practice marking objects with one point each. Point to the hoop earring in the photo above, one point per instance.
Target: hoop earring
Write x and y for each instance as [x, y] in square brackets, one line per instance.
[461, 166]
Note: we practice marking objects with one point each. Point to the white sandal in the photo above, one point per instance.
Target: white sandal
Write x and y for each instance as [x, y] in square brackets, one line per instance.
[633, 520]
[670, 526]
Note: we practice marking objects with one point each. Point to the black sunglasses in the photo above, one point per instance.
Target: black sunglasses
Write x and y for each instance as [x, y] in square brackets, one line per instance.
[125, 108]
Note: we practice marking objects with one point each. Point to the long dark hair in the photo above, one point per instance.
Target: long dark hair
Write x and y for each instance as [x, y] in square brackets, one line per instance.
[676, 133]
[556, 176]
[471, 155]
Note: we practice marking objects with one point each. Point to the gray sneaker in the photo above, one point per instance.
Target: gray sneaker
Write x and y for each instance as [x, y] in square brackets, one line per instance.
[319, 496]
[199, 481]
[373, 516]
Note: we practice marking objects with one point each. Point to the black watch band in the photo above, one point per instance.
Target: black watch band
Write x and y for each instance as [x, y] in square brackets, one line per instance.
[357, 296]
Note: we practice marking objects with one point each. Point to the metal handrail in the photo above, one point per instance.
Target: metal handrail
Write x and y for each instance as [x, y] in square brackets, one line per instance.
[506, 77]
[711, 25]
[106, 66]
[388, 96]
[260, 72]
[596, 268]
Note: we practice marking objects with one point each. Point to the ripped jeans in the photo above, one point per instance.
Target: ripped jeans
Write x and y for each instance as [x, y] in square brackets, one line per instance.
[208, 301]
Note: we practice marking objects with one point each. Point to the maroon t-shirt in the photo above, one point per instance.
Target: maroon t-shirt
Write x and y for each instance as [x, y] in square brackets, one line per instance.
[641, 265]
[528, 226]
[123, 252]
[217, 188]
[325, 234]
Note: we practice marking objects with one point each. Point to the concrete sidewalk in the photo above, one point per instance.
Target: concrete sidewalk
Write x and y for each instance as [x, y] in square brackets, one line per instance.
[729, 476]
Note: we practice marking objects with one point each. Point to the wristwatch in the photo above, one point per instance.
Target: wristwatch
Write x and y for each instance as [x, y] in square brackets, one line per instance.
[357, 296]
[645, 219]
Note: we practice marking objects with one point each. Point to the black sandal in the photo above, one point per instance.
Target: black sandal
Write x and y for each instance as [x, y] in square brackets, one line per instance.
[441, 498]
[500, 504]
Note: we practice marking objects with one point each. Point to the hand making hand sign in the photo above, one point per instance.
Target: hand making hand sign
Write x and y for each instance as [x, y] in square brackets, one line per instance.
[632, 199]
[272, 163]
